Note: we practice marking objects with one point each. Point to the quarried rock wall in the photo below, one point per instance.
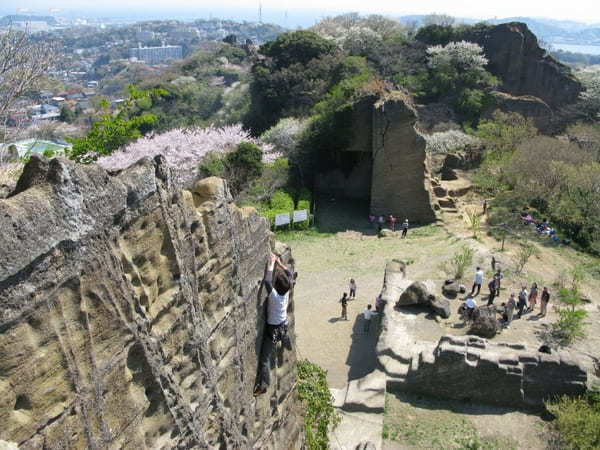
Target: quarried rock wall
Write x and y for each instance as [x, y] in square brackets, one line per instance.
[132, 314]
[523, 67]
[400, 184]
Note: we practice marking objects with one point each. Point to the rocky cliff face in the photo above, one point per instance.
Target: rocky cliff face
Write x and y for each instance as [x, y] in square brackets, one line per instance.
[132, 314]
[523, 67]
[400, 183]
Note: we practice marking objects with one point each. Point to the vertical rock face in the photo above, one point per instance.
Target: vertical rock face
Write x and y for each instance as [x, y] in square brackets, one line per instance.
[524, 67]
[132, 314]
[400, 183]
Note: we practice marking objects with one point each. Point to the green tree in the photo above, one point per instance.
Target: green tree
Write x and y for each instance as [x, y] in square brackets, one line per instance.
[113, 131]
[577, 420]
[243, 166]
[457, 72]
[297, 70]
[571, 321]
[66, 114]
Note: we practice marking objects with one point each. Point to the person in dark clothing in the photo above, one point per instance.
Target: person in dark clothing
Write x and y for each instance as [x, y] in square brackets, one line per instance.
[522, 303]
[277, 324]
[404, 228]
[544, 301]
[498, 278]
[492, 288]
[344, 302]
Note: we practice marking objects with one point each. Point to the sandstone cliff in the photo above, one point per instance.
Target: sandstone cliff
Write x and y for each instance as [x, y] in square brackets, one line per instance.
[522, 66]
[391, 167]
[401, 183]
[132, 314]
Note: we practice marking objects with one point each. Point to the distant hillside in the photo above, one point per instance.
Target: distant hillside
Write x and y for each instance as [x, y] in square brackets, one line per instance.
[7, 20]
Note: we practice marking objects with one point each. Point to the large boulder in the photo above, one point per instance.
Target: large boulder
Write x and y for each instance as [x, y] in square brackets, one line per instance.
[451, 290]
[485, 322]
[421, 293]
[440, 306]
[416, 294]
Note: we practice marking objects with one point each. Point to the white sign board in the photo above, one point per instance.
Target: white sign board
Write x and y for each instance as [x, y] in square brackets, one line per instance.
[300, 216]
[282, 219]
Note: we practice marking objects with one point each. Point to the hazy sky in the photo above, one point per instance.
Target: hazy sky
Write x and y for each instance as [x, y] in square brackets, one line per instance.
[581, 10]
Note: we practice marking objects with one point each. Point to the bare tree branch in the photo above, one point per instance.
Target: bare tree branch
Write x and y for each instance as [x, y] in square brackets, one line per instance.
[22, 64]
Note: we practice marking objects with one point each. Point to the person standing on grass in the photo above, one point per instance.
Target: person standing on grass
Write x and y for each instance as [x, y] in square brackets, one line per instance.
[509, 309]
[498, 277]
[352, 289]
[393, 222]
[533, 292]
[492, 288]
[380, 222]
[277, 323]
[404, 228]
[344, 302]
[478, 281]
[368, 314]
[545, 299]
[485, 206]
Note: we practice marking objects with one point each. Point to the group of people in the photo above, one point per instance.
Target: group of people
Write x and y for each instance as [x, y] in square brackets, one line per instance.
[525, 302]
[368, 313]
[543, 227]
[381, 221]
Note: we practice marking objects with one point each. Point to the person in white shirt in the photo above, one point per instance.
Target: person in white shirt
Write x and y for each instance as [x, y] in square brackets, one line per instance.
[478, 281]
[368, 313]
[471, 304]
[277, 324]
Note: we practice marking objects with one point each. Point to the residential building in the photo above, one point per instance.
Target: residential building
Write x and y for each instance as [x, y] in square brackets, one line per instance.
[155, 55]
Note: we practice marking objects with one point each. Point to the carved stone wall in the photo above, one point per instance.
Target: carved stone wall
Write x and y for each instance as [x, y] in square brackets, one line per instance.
[132, 314]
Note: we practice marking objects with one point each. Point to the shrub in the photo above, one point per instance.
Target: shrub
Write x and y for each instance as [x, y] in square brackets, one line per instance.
[526, 250]
[243, 165]
[474, 222]
[461, 261]
[577, 420]
[448, 141]
[284, 136]
[304, 202]
[320, 414]
[281, 202]
[213, 165]
[570, 325]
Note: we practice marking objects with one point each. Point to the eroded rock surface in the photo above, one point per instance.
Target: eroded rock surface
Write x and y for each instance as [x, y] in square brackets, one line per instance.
[132, 314]
[471, 368]
[523, 67]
